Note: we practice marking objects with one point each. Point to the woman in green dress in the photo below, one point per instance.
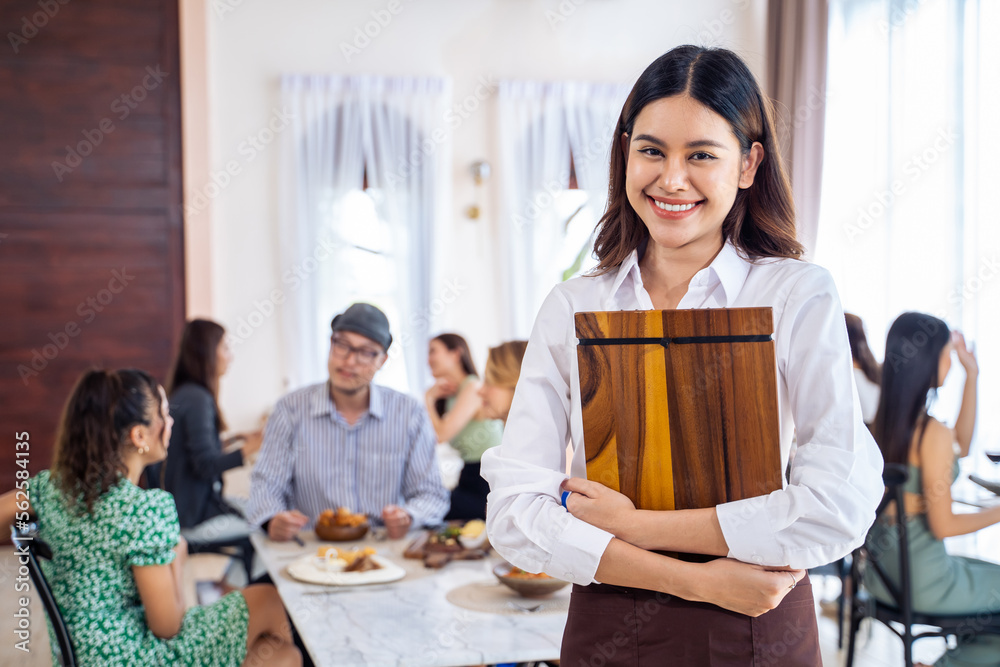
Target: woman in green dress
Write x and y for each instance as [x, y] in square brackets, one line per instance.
[917, 359]
[116, 571]
[455, 409]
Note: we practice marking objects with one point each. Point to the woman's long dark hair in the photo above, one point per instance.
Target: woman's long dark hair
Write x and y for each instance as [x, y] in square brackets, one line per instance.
[198, 362]
[103, 407]
[860, 352]
[454, 342]
[762, 220]
[909, 382]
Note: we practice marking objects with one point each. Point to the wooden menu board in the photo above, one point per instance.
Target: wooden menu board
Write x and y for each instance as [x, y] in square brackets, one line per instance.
[680, 407]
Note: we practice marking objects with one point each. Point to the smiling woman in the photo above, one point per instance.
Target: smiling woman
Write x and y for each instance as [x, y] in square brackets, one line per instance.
[699, 216]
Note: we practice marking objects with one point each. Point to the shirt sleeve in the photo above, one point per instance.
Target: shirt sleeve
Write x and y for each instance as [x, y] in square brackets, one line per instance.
[201, 442]
[835, 480]
[526, 523]
[425, 498]
[152, 531]
[271, 478]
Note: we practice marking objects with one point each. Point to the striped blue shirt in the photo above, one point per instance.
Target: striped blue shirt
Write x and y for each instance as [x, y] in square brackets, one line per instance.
[312, 459]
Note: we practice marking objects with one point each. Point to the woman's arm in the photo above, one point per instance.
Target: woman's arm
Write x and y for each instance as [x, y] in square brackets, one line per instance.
[691, 531]
[161, 590]
[740, 587]
[467, 404]
[937, 458]
[965, 425]
[835, 473]
[835, 481]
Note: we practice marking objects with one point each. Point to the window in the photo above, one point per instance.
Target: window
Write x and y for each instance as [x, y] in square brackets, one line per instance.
[907, 220]
[364, 268]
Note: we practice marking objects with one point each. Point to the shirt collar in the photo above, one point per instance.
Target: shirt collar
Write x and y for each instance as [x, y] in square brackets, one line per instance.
[728, 268]
[322, 404]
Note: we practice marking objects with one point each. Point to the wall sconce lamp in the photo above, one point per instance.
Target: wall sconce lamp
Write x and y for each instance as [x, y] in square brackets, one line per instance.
[480, 174]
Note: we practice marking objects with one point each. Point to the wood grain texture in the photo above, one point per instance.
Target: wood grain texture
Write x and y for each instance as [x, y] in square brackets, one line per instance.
[64, 233]
[680, 426]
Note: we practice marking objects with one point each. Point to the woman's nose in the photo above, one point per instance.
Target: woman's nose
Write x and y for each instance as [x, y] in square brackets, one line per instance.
[674, 175]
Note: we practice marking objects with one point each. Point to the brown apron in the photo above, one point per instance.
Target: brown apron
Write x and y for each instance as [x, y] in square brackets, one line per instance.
[612, 625]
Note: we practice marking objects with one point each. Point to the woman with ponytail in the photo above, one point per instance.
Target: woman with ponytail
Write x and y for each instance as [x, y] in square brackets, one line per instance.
[117, 566]
[917, 359]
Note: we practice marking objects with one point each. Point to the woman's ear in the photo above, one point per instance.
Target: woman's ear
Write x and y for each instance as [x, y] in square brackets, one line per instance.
[138, 435]
[751, 161]
[624, 143]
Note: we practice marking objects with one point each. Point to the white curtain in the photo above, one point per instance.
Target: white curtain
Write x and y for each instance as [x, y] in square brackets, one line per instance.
[541, 126]
[908, 219]
[344, 128]
[796, 63]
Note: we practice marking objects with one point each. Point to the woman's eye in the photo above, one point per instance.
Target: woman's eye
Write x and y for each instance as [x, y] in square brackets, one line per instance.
[701, 155]
[653, 152]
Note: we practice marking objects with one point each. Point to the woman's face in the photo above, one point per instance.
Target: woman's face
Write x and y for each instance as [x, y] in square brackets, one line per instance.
[684, 169]
[223, 357]
[152, 437]
[442, 360]
[496, 400]
[944, 363]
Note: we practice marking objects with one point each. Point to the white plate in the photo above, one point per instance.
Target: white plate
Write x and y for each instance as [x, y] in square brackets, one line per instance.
[306, 569]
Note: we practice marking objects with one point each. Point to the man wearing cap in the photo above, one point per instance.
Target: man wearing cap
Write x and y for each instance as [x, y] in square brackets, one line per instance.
[348, 443]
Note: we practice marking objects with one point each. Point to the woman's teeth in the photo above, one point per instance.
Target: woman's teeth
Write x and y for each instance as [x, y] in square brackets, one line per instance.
[674, 207]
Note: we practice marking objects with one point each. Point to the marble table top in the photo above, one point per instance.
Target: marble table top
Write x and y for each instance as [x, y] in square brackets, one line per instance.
[408, 622]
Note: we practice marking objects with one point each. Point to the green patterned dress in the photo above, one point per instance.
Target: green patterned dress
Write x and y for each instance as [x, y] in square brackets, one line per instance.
[92, 581]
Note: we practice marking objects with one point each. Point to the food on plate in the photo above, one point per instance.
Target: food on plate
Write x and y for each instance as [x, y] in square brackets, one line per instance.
[348, 560]
[445, 539]
[341, 517]
[473, 528]
[347, 554]
[521, 574]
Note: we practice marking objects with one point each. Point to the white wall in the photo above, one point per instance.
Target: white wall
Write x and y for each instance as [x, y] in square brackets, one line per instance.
[252, 43]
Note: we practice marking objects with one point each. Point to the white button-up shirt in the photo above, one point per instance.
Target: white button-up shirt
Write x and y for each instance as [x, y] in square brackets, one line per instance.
[835, 483]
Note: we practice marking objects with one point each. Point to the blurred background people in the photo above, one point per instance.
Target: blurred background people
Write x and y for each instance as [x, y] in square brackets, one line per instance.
[503, 368]
[455, 409]
[193, 469]
[867, 371]
[348, 442]
[917, 360]
[117, 553]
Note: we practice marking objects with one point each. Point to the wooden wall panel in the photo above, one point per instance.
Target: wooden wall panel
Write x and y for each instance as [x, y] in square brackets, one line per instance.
[91, 252]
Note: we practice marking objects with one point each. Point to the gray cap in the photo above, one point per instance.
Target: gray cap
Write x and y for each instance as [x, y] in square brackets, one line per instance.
[366, 320]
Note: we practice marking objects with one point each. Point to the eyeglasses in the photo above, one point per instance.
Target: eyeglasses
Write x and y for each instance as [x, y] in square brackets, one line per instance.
[365, 355]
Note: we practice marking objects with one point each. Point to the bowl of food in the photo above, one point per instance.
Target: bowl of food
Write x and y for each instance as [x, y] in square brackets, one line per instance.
[341, 525]
[473, 534]
[527, 584]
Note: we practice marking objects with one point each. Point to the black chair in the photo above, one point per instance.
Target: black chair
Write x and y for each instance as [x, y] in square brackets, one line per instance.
[899, 616]
[27, 544]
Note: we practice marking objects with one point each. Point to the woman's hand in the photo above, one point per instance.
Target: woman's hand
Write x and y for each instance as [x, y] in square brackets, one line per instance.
[966, 354]
[252, 442]
[600, 506]
[442, 388]
[741, 587]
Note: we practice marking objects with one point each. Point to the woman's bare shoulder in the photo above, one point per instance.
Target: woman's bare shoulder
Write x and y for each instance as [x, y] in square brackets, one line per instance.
[937, 439]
